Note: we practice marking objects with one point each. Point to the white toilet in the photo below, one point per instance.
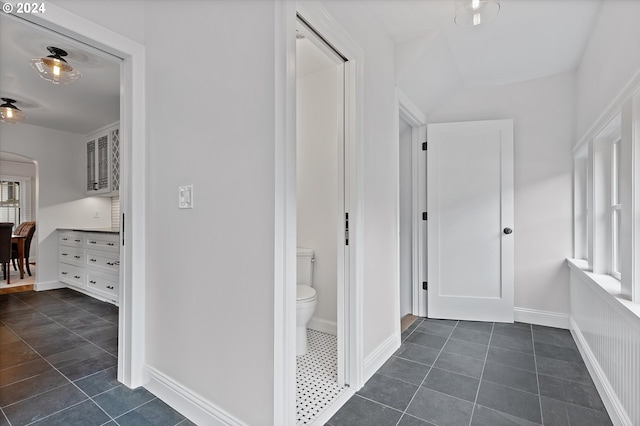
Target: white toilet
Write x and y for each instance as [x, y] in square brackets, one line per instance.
[305, 298]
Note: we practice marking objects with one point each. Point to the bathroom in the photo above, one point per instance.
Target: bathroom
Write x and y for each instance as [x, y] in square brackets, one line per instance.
[320, 230]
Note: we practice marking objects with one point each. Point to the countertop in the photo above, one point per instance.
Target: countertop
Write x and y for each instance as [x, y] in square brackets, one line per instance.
[103, 230]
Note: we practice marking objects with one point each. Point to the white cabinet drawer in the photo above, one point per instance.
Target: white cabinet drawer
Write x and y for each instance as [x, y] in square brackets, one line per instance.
[72, 239]
[71, 274]
[106, 286]
[72, 255]
[103, 241]
[104, 261]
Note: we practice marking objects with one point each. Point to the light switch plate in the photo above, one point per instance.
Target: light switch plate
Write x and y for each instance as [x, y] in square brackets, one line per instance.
[185, 197]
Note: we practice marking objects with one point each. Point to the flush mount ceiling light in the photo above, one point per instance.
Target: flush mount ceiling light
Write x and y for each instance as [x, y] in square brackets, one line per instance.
[55, 68]
[475, 12]
[10, 113]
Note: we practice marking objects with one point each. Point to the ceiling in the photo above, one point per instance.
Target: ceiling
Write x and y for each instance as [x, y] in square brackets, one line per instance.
[434, 58]
[81, 107]
[528, 39]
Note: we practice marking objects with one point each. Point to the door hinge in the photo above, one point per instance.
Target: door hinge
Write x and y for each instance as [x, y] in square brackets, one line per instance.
[424, 215]
[346, 229]
[425, 286]
[424, 146]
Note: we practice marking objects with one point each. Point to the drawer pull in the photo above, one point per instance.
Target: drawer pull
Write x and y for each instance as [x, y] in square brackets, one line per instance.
[113, 263]
[64, 273]
[77, 257]
[93, 260]
[77, 241]
[110, 287]
[110, 244]
[92, 242]
[76, 277]
[92, 281]
[65, 239]
[65, 254]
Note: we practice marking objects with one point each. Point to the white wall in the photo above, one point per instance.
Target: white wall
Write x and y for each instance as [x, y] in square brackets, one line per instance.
[542, 110]
[380, 318]
[61, 167]
[406, 251]
[210, 285]
[609, 62]
[123, 17]
[317, 184]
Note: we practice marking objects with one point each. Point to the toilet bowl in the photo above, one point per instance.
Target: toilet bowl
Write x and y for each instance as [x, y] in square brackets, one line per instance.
[305, 297]
[305, 306]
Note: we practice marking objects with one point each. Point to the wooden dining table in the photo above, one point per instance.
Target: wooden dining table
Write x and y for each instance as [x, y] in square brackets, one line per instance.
[19, 240]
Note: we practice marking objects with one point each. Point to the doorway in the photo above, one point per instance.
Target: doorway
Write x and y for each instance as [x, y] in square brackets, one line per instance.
[321, 216]
[412, 261]
[132, 183]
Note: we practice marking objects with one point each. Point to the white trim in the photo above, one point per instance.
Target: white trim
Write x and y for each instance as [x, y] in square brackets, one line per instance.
[131, 338]
[188, 403]
[614, 407]
[324, 326]
[410, 113]
[609, 112]
[380, 355]
[546, 318]
[48, 285]
[284, 339]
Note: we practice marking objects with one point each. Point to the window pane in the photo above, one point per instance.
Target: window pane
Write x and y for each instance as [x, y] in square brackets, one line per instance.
[616, 240]
[616, 173]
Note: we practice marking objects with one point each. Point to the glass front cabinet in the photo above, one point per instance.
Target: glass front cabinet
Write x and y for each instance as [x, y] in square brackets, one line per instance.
[103, 161]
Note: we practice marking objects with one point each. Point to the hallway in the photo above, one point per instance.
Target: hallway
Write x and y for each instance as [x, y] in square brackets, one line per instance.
[58, 360]
[472, 373]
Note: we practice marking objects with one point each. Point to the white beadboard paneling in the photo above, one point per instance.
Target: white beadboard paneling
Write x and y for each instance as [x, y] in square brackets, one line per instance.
[608, 335]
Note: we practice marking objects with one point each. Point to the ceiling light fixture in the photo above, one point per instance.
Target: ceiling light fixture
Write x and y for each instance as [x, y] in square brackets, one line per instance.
[10, 113]
[475, 12]
[55, 68]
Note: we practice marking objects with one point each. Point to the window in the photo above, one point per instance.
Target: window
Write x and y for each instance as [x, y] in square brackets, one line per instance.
[616, 209]
[15, 199]
[10, 201]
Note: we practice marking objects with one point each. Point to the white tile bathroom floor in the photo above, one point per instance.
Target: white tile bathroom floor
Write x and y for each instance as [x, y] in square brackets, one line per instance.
[316, 377]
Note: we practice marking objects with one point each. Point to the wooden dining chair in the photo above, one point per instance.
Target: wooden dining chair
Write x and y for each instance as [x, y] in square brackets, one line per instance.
[26, 230]
[6, 229]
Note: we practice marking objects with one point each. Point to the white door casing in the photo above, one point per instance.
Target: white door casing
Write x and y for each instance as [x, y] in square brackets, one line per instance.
[470, 220]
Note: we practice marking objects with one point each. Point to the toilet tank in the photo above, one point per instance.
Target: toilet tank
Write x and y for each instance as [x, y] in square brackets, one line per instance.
[305, 266]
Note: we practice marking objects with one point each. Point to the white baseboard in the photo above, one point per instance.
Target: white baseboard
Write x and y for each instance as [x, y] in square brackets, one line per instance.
[380, 355]
[48, 285]
[188, 403]
[324, 326]
[614, 407]
[546, 318]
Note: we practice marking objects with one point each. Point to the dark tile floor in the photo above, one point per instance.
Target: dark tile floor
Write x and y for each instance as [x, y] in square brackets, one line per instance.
[471, 373]
[58, 360]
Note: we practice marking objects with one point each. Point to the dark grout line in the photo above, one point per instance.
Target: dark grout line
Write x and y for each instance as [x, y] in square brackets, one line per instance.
[486, 355]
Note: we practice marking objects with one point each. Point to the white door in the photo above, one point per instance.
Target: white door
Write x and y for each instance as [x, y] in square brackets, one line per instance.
[470, 220]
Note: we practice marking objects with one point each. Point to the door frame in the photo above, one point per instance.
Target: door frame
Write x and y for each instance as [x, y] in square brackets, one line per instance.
[131, 330]
[350, 306]
[413, 116]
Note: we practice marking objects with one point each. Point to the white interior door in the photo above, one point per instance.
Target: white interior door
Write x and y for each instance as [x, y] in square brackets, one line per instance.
[470, 220]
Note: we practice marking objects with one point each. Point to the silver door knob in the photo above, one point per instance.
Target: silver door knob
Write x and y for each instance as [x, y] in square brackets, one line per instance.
[507, 230]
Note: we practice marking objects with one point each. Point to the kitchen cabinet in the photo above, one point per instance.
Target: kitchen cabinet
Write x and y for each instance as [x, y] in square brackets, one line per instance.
[103, 161]
[90, 262]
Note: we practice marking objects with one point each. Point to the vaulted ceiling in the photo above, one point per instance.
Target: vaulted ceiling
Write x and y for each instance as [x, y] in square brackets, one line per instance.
[528, 39]
[434, 58]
